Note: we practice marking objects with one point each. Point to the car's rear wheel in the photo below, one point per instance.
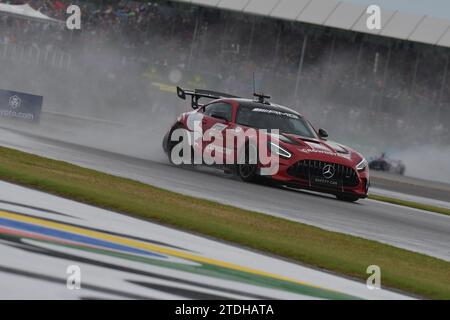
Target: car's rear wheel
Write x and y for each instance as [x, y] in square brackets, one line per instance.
[247, 166]
[171, 144]
[347, 198]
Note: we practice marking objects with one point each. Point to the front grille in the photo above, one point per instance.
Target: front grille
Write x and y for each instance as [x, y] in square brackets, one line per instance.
[307, 168]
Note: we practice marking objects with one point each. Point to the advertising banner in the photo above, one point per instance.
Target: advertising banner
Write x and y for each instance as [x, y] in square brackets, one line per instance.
[19, 105]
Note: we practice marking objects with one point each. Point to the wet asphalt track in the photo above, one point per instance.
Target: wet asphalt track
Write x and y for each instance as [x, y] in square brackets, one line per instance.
[407, 228]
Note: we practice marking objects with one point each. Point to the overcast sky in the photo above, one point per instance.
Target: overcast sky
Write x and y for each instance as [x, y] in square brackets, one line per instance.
[434, 8]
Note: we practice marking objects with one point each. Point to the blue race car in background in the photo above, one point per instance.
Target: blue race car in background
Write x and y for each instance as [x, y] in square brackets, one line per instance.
[385, 164]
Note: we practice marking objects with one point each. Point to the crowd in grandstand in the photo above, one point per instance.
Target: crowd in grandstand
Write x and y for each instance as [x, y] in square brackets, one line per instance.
[351, 76]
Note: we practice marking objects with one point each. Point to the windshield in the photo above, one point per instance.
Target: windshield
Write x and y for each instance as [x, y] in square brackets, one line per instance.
[285, 122]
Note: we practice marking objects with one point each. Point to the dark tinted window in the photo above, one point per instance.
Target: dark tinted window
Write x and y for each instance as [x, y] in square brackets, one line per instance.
[219, 108]
[263, 118]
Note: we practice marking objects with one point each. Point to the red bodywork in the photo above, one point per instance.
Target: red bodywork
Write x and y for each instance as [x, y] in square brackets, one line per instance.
[304, 169]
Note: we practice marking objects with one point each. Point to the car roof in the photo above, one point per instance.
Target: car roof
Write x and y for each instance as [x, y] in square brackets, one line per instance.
[270, 106]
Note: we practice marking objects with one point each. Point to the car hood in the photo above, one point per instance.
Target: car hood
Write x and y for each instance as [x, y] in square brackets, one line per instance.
[329, 151]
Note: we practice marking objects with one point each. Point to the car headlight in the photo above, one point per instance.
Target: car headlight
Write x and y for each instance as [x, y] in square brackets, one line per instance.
[275, 148]
[362, 165]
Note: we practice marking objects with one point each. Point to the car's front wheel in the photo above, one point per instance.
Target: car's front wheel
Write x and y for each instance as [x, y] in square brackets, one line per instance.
[247, 165]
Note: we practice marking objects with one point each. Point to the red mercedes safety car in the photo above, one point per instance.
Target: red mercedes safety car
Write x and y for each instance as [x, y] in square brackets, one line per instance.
[307, 159]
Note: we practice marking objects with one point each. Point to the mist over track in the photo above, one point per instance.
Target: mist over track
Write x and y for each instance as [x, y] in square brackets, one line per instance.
[403, 227]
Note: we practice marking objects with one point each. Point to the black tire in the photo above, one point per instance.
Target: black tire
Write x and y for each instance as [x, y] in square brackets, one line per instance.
[347, 198]
[171, 144]
[385, 167]
[248, 171]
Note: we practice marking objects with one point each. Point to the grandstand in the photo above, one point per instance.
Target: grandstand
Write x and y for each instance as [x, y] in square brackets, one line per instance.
[317, 57]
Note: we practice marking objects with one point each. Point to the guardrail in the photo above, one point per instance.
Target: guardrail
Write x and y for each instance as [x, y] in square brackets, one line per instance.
[50, 56]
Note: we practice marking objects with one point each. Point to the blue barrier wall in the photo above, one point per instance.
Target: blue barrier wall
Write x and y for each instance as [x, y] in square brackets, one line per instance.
[19, 105]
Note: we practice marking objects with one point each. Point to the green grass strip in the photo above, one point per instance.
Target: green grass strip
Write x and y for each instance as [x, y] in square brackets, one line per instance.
[344, 254]
[411, 204]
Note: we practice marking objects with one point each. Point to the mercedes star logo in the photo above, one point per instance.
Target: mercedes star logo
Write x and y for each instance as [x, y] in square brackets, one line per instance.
[328, 171]
[15, 102]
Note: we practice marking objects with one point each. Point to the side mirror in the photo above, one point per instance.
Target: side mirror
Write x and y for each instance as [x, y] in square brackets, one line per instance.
[323, 134]
[219, 115]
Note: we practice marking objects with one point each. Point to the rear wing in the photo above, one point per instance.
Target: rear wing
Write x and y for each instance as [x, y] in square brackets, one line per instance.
[198, 94]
